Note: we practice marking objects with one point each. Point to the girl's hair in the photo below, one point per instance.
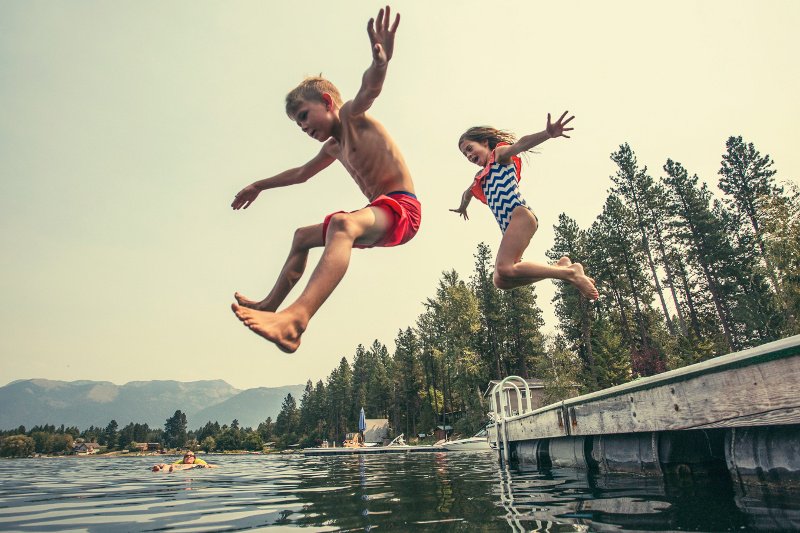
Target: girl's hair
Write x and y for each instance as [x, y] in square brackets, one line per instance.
[489, 134]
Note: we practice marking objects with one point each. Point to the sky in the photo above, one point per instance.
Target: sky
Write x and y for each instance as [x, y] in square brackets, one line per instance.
[127, 127]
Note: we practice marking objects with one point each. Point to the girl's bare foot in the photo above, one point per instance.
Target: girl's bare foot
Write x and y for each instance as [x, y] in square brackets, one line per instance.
[283, 329]
[583, 283]
[565, 261]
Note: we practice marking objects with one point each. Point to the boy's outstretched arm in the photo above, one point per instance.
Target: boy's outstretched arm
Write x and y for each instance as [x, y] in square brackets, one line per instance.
[381, 36]
[503, 154]
[248, 195]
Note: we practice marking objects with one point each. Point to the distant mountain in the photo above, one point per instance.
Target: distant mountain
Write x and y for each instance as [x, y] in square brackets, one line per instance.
[252, 406]
[86, 403]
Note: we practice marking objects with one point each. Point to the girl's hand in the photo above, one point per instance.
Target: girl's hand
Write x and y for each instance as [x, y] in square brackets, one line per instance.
[558, 129]
[382, 36]
[461, 211]
[245, 197]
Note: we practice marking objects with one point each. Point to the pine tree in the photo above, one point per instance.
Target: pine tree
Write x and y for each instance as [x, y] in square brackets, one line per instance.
[409, 380]
[637, 189]
[287, 422]
[492, 321]
[523, 341]
[620, 256]
[748, 179]
[175, 430]
[574, 311]
[111, 435]
[453, 326]
[340, 393]
[702, 234]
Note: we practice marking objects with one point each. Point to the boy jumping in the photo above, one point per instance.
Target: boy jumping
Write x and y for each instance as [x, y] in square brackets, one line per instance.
[366, 150]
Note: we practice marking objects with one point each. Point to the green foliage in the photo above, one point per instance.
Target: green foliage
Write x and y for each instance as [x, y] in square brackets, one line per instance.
[208, 444]
[781, 234]
[560, 369]
[17, 446]
[611, 353]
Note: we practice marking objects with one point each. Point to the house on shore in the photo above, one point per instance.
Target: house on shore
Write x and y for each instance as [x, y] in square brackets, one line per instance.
[85, 448]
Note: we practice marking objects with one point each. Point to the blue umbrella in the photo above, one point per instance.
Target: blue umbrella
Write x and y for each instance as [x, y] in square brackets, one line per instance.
[362, 421]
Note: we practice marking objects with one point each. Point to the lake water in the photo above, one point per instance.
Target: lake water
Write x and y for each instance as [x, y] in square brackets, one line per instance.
[391, 492]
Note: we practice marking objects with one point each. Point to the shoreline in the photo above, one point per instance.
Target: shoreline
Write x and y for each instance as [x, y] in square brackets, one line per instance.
[118, 454]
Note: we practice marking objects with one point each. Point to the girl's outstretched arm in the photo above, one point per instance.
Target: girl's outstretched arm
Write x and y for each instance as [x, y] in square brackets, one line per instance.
[465, 199]
[503, 154]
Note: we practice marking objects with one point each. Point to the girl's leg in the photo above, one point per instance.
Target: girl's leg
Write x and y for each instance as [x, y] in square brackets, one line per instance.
[365, 226]
[304, 240]
[511, 272]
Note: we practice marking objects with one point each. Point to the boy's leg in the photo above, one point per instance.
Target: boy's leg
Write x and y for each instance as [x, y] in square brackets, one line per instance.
[304, 240]
[511, 272]
[365, 226]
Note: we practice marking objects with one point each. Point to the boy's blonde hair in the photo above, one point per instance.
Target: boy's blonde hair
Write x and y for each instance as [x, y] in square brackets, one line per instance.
[311, 89]
[489, 134]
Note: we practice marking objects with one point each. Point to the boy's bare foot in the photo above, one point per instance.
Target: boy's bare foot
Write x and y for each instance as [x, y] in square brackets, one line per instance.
[252, 304]
[282, 329]
[583, 283]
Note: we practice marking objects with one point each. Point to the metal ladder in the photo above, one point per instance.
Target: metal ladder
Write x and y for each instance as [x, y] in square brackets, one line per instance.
[500, 401]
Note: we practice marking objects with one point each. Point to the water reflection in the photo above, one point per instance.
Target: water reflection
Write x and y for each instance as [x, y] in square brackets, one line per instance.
[403, 492]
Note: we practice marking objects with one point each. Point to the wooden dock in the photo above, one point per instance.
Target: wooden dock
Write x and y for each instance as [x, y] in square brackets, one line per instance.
[370, 450]
[755, 387]
[742, 404]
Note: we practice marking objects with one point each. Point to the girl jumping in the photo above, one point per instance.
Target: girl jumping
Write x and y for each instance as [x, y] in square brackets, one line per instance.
[496, 152]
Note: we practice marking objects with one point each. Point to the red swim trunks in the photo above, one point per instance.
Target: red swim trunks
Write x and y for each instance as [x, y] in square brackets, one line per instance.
[406, 213]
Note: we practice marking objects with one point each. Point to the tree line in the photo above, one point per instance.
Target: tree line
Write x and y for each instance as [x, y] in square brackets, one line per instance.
[684, 275]
[48, 439]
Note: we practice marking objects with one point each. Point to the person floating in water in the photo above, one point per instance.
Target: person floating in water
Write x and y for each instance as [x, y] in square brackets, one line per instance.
[189, 461]
[496, 184]
[363, 146]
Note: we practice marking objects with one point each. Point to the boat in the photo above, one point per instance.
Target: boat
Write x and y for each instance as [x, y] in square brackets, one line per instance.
[476, 443]
[398, 442]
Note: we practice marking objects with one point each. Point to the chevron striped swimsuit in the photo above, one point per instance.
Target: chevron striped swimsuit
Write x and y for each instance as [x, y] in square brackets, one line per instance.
[497, 186]
[502, 194]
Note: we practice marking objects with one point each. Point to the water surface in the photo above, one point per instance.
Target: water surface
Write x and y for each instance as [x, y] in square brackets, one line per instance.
[402, 492]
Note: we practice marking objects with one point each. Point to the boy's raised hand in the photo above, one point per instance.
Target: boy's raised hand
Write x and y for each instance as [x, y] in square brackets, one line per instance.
[382, 36]
[558, 129]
